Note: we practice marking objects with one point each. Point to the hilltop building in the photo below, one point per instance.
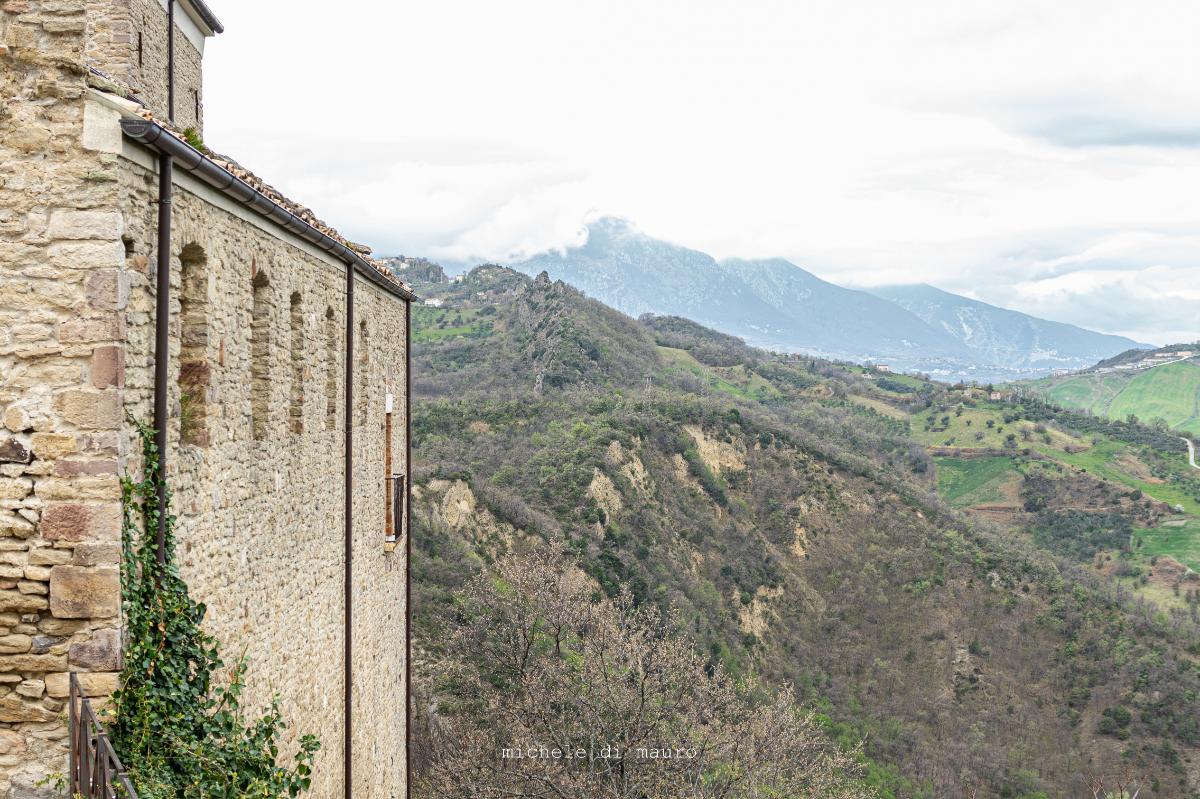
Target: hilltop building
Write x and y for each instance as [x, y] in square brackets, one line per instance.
[144, 277]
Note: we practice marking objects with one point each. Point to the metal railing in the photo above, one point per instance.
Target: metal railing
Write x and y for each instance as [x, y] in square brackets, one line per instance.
[95, 771]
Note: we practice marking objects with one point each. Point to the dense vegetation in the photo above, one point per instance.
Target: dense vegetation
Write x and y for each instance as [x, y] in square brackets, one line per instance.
[780, 513]
[177, 722]
[551, 693]
[1128, 428]
[1079, 534]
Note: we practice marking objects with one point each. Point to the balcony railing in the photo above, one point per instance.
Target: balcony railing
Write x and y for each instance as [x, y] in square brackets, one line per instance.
[95, 771]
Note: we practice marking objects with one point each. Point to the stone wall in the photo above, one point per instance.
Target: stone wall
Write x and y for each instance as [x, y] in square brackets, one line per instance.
[127, 40]
[61, 376]
[111, 41]
[256, 463]
[261, 536]
[150, 75]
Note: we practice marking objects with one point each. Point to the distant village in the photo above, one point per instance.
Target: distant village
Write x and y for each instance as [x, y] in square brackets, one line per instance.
[1151, 360]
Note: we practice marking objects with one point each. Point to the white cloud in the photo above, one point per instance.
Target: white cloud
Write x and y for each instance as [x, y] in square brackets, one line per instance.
[979, 147]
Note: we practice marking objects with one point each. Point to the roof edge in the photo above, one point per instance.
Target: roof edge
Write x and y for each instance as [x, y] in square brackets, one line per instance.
[206, 16]
[156, 137]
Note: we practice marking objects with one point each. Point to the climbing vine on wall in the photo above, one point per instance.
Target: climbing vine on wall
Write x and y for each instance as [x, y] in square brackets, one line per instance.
[178, 724]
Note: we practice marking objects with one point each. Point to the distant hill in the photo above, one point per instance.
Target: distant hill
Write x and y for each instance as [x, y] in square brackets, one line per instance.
[933, 568]
[1140, 354]
[1001, 336]
[825, 318]
[637, 275]
[1162, 384]
[776, 305]
[416, 270]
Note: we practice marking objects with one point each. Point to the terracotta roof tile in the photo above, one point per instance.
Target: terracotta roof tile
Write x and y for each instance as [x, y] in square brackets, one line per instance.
[270, 192]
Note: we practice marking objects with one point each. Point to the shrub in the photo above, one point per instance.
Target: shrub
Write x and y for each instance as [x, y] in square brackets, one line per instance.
[549, 693]
[181, 732]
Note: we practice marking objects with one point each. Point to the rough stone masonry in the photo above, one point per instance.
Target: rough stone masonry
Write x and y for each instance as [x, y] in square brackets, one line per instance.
[256, 436]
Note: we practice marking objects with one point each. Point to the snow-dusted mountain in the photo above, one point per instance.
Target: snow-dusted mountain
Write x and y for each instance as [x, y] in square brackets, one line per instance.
[1000, 336]
[776, 304]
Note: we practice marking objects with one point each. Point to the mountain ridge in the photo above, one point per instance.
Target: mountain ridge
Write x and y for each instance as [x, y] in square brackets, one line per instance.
[980, 327]
[777, 305]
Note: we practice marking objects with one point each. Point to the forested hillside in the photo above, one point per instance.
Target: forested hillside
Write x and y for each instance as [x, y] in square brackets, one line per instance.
[972, 609]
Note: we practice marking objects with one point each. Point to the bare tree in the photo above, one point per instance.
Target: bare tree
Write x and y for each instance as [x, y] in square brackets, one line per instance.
[1126, 785]
[550, 693]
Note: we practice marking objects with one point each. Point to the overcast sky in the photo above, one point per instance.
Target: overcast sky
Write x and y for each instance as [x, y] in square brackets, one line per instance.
[1043, 156]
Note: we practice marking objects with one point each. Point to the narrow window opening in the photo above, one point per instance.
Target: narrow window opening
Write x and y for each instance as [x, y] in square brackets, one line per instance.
[296, 348]
[364, 369]
[260, 356]
[196, 98]
[194, 367]
[141, 56]
[331, 359]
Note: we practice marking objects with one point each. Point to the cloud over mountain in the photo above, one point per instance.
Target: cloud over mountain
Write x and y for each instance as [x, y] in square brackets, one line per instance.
[775, 304]
[960, 144]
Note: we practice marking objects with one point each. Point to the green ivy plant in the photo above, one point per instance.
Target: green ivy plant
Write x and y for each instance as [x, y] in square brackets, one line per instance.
[177, 722]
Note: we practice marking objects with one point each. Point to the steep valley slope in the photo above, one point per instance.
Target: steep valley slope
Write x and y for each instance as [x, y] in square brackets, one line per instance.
[787, 509]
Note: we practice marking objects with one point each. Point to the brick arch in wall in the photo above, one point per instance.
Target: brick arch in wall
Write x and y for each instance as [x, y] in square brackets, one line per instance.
[331, 361]
[296, 368]
[261, 306]
[364, 371]
[195, 369]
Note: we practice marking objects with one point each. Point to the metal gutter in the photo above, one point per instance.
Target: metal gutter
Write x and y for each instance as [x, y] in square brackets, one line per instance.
[206, 15]
[158, 138]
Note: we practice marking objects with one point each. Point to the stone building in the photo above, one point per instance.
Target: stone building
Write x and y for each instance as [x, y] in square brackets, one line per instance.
[287, 458]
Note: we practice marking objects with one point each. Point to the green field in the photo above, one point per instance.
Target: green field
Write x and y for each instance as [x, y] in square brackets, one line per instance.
[438, 324]
[1168, 391]
[735, 380]
[974, 481]
[897, 377]
[880, 407]
[1088, 392]
[1102, 461]
[968, 427]
[874, 375]
[1171, 392]
[1180, 542]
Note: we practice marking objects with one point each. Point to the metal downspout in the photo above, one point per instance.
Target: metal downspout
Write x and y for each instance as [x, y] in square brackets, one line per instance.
[171, 60]
[408, 548]
[348, 587]
[162, 343]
